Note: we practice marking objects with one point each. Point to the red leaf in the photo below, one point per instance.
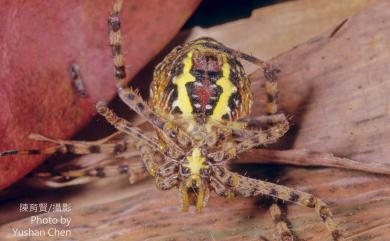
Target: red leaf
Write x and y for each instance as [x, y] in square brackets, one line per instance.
[40, 39]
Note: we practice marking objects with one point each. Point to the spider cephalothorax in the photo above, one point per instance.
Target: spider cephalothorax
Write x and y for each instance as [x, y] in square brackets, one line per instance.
[194, 174]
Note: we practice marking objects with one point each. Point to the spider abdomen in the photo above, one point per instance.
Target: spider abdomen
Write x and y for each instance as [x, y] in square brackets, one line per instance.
[201, 83]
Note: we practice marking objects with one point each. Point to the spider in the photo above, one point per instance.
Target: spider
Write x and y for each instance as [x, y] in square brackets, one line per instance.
[199, 106]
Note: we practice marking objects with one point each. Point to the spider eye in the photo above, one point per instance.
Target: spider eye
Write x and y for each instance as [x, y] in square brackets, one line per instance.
[173, 134]
[185, 171]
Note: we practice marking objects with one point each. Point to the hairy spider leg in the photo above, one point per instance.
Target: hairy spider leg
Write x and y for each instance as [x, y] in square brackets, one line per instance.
[282, 231]
[261, 138]
[125, 126]
[128, 95]
[166, 175]
[74, 147]
[90, 147]
[151, 159]
[249, 187]
[136, 172]
[99, 171]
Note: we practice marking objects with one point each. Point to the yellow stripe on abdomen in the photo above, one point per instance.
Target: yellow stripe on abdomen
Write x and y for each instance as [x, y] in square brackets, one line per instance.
[222, 106]
[183, 100]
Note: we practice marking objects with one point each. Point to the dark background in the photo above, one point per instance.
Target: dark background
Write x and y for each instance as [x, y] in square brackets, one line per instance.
[213, 12]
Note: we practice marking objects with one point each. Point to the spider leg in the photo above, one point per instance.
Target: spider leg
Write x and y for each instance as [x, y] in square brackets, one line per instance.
[99, 171]
[136, 171]
[150, 158]
[260, 137]
[74, 147]
[271, 84]
[199, 197]
[249, 187]
[166, 176]
[126, 127]
[128, 95]
[166, 183]
[247, 127]
[88, 147]
[45, 151]
[282, 232]
[262, 121]
[271, 89]
[184, 197]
